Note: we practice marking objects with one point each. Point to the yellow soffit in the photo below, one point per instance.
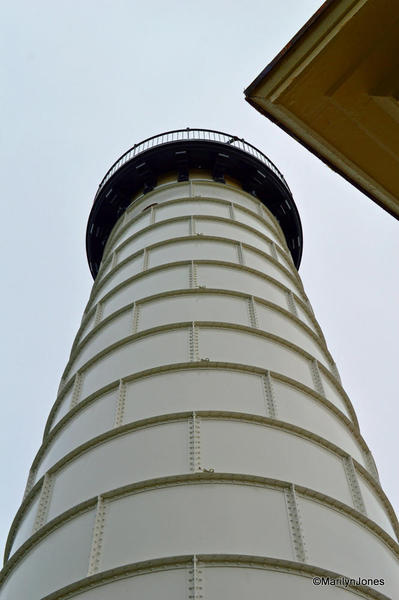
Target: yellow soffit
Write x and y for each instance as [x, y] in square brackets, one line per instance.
[335, 88]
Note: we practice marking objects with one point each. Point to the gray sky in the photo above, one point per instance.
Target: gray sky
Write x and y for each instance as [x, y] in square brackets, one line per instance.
[82, 81]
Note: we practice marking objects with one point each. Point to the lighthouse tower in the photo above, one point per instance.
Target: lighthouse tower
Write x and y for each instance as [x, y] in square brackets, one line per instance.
[201, 445]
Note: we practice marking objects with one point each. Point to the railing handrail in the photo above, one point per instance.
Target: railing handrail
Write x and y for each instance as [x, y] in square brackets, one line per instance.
[189, 134]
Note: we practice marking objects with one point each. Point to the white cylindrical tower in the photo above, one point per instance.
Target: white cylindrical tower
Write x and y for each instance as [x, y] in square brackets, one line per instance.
[201, 445]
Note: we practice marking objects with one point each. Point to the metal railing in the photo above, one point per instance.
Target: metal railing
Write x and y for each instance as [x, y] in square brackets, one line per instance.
[190, 134]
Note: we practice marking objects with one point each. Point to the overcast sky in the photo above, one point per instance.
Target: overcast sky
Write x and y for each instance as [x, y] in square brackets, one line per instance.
[81, 82]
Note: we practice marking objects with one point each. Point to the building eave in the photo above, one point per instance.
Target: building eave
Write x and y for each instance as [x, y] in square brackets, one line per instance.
[317, 91]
